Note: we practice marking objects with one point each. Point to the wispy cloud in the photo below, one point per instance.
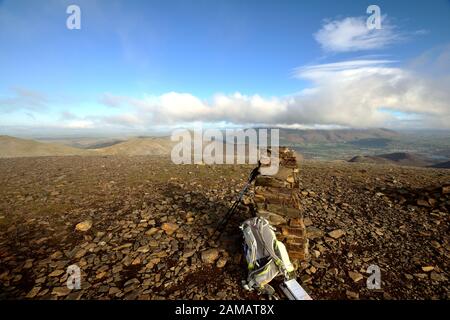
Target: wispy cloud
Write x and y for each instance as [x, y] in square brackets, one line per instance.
[111, 100]
[23, 98]
[79, 124]
[352, 34]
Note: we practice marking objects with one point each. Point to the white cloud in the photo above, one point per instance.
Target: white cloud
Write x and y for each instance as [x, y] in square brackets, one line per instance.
[358, 93]
[352, 34]
[173, 107]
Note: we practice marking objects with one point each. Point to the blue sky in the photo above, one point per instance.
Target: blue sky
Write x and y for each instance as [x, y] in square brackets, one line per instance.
[137, 65]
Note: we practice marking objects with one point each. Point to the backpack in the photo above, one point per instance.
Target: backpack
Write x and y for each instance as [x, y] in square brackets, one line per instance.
[266, 256]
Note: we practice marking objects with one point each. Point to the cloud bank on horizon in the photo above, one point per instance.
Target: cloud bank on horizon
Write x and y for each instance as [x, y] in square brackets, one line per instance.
[365, 91]
[356, 93]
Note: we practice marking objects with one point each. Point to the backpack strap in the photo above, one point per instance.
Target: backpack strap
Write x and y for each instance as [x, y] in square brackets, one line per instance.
[259, 278]
[250, 246]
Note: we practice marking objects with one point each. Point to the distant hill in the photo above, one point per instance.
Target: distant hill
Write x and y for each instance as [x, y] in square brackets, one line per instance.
[371, 143]
[84, 142]
[100, 144]
[16, 147]
[312, 144]
[294, 136]
[397, 158]
[140, 146]
[442, 165]
[369, 159]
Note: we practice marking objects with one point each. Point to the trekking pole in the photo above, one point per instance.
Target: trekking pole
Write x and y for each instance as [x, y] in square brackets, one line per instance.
[255, 172]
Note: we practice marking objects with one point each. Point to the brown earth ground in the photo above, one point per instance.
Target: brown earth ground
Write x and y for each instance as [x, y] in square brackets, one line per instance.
[151, 221]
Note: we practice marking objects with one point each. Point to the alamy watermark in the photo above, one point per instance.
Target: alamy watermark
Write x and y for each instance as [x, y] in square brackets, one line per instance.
[374, 280]
[374, 20]
[73, 277]
[74, 19]
[230, 146]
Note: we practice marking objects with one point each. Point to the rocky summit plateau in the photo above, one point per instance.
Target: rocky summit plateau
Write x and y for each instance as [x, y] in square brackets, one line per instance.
[139, 228]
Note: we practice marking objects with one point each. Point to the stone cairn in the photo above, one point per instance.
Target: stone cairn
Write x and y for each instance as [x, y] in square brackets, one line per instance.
[276, 198]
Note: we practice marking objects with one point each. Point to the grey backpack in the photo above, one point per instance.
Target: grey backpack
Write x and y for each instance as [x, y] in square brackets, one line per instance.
[266, 256]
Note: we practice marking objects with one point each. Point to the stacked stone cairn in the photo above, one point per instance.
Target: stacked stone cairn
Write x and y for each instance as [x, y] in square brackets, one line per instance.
[276, 198]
